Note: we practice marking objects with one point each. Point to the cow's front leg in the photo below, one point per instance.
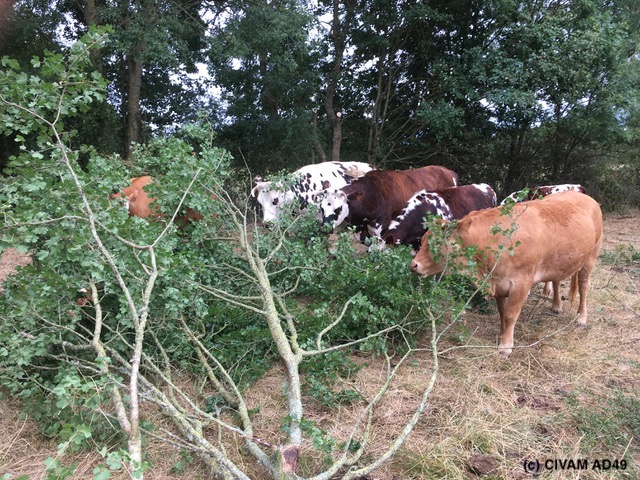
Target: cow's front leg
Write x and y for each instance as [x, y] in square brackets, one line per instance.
[509, 308]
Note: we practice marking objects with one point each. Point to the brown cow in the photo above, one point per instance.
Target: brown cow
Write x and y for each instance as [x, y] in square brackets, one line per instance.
[372, 201]
[139, 203]
[559, 237]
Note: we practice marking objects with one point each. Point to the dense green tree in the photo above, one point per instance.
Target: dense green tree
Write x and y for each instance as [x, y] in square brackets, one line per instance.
[261, 60]
[153, 49]
[506, 91]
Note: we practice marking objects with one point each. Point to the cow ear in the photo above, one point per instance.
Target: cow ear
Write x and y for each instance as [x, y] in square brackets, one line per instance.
[354, 196]
[318, 197]
[257, 189]
[133, 196]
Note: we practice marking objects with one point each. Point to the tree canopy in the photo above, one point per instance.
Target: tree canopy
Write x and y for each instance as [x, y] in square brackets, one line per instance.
[510, 92]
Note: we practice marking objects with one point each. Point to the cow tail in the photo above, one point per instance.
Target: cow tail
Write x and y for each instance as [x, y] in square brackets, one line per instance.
[573, 290]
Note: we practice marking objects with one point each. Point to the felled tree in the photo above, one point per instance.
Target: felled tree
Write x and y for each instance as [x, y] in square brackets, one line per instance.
[113, 306]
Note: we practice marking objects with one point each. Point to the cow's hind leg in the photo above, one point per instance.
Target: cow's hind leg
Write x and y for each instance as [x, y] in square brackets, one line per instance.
[509, 308]
[556, 304]
[584, 282]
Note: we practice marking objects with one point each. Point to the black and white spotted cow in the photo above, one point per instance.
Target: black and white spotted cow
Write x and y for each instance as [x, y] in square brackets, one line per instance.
[447, 203]
[543, 191]
[304, 183]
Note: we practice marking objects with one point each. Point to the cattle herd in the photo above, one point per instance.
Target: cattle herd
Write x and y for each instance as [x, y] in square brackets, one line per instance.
[555, 231]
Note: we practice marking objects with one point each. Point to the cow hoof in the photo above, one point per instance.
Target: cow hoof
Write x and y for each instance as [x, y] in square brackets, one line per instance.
[555, 312]
[581, 325]
[505, 352]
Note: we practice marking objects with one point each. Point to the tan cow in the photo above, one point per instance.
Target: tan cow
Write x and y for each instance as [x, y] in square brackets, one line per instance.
[139, 203]
[555, 238]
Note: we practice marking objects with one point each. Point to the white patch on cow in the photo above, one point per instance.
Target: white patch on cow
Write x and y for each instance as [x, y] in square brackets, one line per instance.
[441, 208]
[565, 188]
[375, 230]
[304, 184]
[415, 201]
[487, 191]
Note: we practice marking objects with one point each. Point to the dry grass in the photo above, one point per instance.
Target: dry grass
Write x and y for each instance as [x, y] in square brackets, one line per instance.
[9, 261]
[534, 405]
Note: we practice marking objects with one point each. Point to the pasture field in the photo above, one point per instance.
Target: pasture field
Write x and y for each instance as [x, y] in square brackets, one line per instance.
[568, 398]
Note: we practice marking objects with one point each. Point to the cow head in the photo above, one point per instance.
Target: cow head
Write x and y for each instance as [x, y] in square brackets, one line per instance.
[271, 196]
[424, 262]
[333, 206]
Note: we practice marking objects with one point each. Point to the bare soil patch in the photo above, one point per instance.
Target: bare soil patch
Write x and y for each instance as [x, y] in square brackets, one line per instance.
[557, 398]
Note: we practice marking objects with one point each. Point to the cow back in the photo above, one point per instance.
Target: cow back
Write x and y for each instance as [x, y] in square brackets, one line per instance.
[447, 203]
[542, 191]
[552, 240]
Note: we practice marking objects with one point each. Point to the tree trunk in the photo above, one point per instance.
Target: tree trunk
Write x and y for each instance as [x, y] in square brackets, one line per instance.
[338, 35]
[90, 17]
[134, 117]
[317, 145]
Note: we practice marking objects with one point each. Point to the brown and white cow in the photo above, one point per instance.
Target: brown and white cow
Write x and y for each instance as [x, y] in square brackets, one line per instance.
[542, 191]
[555, 238]
[139, 203]
[372, 201]
[450, 203]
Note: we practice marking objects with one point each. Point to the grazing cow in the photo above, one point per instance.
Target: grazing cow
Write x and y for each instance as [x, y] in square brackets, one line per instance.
[554, 238]
[543, 191]
[136, 199]
[447, 203]
[306, 182]
[372, 201]
[139, 203]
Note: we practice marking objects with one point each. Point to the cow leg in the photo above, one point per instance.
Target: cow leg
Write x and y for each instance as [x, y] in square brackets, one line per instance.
[509, 308]
[549, 289]
[584, 282]
[556, 304]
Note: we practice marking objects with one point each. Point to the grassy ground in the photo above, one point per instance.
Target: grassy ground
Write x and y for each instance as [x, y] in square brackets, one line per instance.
[570, 394]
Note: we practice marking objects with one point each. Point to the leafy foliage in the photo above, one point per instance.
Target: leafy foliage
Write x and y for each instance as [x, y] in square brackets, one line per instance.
[71, 319]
